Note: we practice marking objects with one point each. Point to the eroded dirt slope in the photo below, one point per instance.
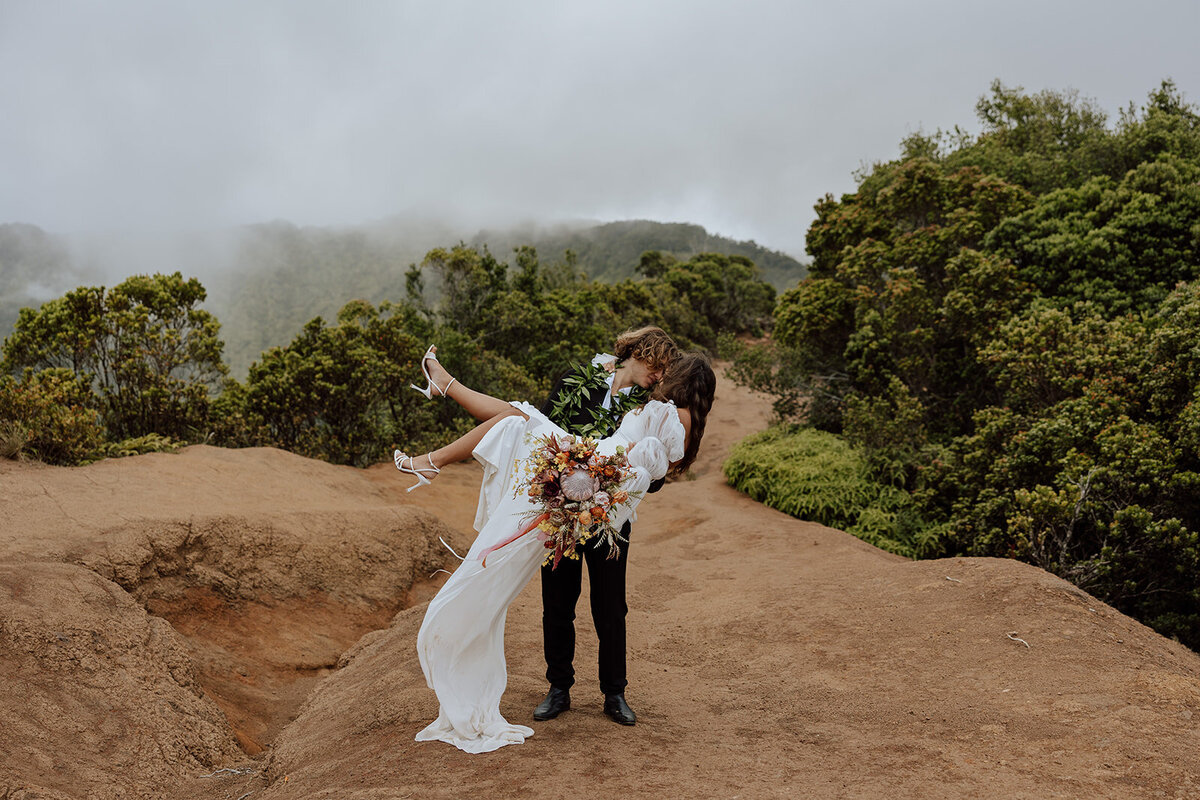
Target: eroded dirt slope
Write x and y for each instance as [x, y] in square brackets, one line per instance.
[165, 616]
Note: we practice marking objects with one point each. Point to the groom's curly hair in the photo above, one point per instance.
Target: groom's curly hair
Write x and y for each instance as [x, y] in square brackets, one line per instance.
[650, 345]
[689, 383]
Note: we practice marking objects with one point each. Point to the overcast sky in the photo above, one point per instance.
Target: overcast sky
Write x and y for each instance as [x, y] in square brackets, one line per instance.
[167, 114]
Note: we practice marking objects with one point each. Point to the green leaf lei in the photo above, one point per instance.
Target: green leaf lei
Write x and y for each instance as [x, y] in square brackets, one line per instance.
[581, 383]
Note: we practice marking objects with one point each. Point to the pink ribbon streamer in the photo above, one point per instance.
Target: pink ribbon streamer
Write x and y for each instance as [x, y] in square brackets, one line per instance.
[537, 521]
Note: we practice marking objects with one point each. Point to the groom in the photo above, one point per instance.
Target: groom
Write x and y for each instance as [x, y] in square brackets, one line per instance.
[591, 400]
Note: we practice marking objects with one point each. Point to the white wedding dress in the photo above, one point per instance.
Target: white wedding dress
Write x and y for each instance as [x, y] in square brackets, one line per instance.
[461, 642]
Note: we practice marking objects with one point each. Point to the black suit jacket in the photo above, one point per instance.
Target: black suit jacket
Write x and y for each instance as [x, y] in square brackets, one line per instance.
[582, 417]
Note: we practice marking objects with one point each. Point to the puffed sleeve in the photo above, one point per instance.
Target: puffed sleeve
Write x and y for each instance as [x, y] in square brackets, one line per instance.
[666, 427]
[656, 420]
[651, 455]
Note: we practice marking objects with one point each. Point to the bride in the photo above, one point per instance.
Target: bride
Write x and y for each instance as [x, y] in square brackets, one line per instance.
[461, 641]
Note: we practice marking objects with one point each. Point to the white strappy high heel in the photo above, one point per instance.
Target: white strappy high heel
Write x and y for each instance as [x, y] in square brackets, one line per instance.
[399, 458]
[429, 384]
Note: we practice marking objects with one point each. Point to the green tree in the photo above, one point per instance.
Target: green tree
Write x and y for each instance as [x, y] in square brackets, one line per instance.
[899, 288]
[727, 292]
[341, 392]
[470, 282]
[1120, 244]
[336, 392]
[150, 354]
[1042, 141]
[1167, 125]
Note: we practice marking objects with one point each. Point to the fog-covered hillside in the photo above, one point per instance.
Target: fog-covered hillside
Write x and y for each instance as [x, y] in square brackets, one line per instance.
[265, 281]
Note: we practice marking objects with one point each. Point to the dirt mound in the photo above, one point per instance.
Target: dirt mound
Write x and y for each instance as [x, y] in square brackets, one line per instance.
[768, 657]
[259, 568]
[96, 692]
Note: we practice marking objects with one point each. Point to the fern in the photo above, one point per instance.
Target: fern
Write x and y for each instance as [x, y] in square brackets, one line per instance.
[150, 443]
[820, 477]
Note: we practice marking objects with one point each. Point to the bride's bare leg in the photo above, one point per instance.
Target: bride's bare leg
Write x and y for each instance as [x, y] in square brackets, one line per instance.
[481, 406]
[460, 449]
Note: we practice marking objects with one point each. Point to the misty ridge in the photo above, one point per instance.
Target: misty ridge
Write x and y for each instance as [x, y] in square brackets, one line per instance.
[265, 281]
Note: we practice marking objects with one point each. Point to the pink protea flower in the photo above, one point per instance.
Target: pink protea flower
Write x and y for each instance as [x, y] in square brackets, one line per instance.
[578, 484]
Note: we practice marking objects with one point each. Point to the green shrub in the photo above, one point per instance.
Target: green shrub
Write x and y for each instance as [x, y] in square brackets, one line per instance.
[817, 476]
[47, 415]
[341, 392]
[335, 393]
[890, 431]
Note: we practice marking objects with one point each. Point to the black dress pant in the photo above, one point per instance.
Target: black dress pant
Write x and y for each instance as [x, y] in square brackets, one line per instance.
[560, 592]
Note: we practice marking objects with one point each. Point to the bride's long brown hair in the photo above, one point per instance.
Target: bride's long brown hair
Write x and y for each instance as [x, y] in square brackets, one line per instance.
[689, 383]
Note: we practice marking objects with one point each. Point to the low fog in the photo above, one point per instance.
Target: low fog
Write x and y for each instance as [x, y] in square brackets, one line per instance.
[150, 131]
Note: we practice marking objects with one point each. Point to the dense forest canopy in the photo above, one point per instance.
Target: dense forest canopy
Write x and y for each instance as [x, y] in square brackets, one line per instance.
[1006, 329]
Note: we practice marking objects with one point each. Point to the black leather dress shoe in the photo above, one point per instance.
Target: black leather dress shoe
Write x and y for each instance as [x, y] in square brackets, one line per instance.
[556, 702]
[618, 710]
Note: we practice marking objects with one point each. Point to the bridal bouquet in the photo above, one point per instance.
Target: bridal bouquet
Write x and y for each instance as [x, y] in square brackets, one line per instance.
[575, 491]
